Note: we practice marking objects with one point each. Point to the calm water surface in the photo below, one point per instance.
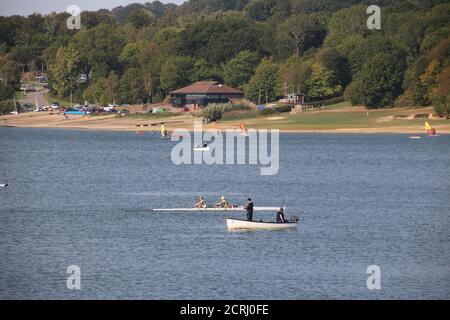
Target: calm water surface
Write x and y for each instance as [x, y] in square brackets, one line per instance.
[85, 198]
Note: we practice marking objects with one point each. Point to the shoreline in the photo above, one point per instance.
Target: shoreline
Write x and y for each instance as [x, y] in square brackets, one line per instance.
[376, 124]
[403, 131]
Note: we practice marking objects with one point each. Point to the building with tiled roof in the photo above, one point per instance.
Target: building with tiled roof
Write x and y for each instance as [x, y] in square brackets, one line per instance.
[201, 93]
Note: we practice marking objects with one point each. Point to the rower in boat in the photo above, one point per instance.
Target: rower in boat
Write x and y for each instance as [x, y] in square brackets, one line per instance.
[249, 207]
[222, 204]
[201, 204]
[280, 216]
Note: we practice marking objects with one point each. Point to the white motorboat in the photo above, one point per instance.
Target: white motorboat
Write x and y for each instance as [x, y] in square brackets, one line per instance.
[237, 224]
[3, 184]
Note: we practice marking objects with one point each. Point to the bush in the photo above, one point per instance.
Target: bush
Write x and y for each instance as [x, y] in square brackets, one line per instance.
[441, 106]
[226, 111]
[235, 107]
[267, 112]
[6, 91]
[352, 94]
[6, 107]
[213, 111]
[283, 108]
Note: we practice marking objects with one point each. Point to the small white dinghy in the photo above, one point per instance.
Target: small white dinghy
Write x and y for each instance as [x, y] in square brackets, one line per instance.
[201, 149]
[238, 224]
[3, 184]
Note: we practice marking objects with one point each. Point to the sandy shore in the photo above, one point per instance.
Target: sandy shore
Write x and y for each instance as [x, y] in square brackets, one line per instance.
[114, 123]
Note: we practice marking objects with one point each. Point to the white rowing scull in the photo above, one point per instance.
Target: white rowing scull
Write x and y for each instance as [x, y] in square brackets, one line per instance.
[216, 209]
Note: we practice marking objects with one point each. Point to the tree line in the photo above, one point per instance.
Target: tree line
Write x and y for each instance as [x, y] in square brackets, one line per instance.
[266, 48]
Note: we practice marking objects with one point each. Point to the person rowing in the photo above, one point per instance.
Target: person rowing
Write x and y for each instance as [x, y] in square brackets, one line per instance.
[280, 216]
[249, 207]
[201, 204]
[223, 203]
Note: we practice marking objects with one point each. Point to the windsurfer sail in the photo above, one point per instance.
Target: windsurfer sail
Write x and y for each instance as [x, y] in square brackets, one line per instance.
[163, 130]
[243, 130]
[429, 130]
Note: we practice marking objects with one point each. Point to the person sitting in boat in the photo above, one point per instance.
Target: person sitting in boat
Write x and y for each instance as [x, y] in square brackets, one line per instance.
[201, 203]
[223, 203]
[280, 216]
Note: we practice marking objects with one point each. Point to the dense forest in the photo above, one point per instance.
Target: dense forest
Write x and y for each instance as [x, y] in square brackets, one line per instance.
[322, 48]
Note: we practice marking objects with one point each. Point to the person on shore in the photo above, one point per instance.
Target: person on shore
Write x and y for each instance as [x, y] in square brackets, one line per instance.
[280, 216]
[223, 203]
[163, 131]
[201, 203]
[249, 207]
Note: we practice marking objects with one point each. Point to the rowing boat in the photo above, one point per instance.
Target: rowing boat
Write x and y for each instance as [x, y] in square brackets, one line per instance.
[3, 185]
[201, 149]
[237, 224]
[217, 209]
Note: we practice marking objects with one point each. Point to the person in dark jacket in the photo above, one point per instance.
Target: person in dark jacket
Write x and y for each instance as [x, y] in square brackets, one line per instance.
[249, 207]
[280, 216]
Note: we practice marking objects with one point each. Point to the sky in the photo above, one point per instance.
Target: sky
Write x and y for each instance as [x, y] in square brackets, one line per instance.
[26, 7]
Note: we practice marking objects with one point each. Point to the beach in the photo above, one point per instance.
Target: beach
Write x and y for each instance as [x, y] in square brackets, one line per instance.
[340, 119]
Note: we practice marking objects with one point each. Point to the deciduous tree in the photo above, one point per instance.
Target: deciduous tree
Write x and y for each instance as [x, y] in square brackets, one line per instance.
[240, 69]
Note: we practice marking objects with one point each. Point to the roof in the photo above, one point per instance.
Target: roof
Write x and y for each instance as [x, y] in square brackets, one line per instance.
[207, 87]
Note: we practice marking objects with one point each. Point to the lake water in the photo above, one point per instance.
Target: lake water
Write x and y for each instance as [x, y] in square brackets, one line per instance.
[85, 198]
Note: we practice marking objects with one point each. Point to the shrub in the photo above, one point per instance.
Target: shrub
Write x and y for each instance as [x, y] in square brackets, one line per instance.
[226, 111]
[441, 107]
[213, 111]
[283, 108]
[6, 107]
[267, 112]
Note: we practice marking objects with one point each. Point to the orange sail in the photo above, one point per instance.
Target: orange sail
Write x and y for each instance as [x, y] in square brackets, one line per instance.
[243, 130]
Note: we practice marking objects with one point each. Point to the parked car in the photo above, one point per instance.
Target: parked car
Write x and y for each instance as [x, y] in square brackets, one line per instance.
[55, 106]
[27, 87]
[158, 110]
[124, 112]
[83, 77]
